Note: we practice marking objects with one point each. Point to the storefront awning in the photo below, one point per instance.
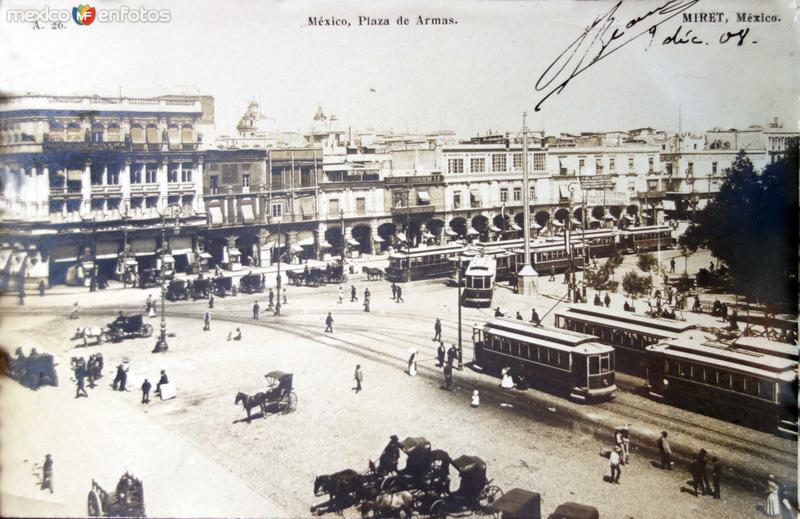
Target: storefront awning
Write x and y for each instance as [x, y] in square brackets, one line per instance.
[428, 235]
[475, 195]
[494, 228]
[575, 221]
[514, 226]
[215, 215]
[536, 226]
[609, 216]
[563, 191]
[450, 232]
[296, 248]
[424, 197]
[557, 223]
[351, 241]
[630, 217]
[205, 255]
[132, 261]
[306, 242]
[167, 258]
[401, 236]
[74, 175]
[668, 205]
[472, 232]
[248, 214]
[180, 245]
[325, 245]
[378, 239]
[143, 246]
[106, 250]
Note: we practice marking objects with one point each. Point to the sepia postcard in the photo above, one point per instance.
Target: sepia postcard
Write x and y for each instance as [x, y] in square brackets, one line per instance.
[514, 259]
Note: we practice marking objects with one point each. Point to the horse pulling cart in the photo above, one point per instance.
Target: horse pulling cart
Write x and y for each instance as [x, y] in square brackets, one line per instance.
[126, 501]
[278, 398]
[126, 327]
[475, 493]
[224, 286]
[251, 283]
[177, 289]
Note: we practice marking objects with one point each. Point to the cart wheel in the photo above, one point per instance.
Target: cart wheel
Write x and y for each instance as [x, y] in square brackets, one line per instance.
[489, 495]
[147, 330]
[291, 404]
[94, 505]
[437, 509]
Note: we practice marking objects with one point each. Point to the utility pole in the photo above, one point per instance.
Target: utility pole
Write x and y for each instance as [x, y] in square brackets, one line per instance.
[526, 275]
[172, 210]
[278, 277]
[460, 357]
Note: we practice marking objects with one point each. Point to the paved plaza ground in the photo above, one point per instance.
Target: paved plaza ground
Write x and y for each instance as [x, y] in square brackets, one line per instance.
[198, 458]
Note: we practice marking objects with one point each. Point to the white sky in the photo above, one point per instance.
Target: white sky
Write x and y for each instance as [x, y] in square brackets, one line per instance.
[470, 77]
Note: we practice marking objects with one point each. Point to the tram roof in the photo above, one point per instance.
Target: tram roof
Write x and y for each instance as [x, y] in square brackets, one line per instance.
[768, 347]
[721, 355]
[608, 316]
[428, 251]
[481, 265]
[550, 337]
[648, 228]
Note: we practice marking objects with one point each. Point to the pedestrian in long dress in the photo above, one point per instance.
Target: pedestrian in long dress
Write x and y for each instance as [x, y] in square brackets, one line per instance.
[626, 443]
[358, 376]
[607, 300]
[448, 376]
[256, 310]
[437, 330]
[341, 294]
[353, 294]
[535, 317]
[475, 401]
[47, 473]
[716, 474]
[329, 323]
[366, 304]
[412, 363]
[211, 300]
[206, 322]
[271, 299]
[440, 351]
[696, 471]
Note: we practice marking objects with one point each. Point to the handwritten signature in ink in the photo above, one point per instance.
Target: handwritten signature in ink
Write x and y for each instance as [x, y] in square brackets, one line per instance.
[600, 40]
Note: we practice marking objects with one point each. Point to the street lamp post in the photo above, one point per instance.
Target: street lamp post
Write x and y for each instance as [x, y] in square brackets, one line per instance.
[344, 244]
[171, 211]
[125, 217]
[278, 277]
[460, 355]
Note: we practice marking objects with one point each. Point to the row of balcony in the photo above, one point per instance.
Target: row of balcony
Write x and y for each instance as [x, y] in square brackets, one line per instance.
[116, 189]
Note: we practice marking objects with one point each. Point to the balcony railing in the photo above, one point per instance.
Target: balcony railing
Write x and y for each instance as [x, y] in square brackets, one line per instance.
[108, 189]
[180, 186]
[145, 188]
[64, 191]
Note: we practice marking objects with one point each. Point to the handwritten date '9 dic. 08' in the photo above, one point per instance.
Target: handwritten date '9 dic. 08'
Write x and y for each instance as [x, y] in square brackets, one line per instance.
[605, 36]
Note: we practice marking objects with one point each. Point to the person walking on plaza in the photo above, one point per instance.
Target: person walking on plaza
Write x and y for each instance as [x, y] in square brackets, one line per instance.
[42, 288]
[285, 301]
[665, 450]
[394, 291]
[475, 401]
[47, 473]
[329, 323]
[672, 265]
[447, 371]
[366, 304]
[118, 378]
[614, 463]
[341, 294]
[206, 322]
[400, 294]
[412, 363]
[733, 320]
[626, 443]
[552, 274]
[696, 471]
[146, 385]
[237, 335]
[716, 474]
[367, 293]
[80, 376]
[535, 317]
[353, 294]
[452, 353]
[161, 382]
[271, 299]
[437, 330]
[211, 300]
[149, 303]
[519, 316]
[701, 458]
[440, 351]
[22, 294]
[358, 376]
[607, 300]
[256, 310]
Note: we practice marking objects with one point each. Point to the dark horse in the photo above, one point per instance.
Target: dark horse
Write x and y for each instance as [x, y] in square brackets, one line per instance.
[373, 273]
[249, 402]
[337, 486]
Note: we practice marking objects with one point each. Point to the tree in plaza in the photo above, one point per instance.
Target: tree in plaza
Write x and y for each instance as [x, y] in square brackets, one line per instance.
[647, 262]
[636, 285]
[600, 279]
[752, 227]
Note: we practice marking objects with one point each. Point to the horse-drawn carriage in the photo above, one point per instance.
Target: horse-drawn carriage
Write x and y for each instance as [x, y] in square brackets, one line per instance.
[278, 398]
[127, 500]
[334, 273]
[224, 286]
[475, 492]
[149, 278]
[32, 371]
[201, 288]
[124, 327]
[251, 283]
[425, 469]
[177, 289]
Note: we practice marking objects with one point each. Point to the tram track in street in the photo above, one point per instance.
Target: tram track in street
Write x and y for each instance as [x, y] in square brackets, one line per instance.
[524, 404]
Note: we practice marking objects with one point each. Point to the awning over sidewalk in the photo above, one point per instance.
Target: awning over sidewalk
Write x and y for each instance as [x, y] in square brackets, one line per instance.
[325, 245]
[472, 232]
[248, 214]
[424, 197]
[296, 247]
[494, 228]
[306, 242]
[351, 241]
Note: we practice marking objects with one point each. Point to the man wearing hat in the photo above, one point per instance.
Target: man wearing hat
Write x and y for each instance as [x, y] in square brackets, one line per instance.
[390, 455]
[162, 381]
[47, 473]
[666, 451]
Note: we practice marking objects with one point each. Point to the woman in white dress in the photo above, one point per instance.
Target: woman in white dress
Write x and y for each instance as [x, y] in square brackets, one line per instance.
[772, 507]
[507, 382]
[412, 363]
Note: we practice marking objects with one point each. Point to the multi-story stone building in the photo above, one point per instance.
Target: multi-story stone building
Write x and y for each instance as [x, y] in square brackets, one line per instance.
[80, 174]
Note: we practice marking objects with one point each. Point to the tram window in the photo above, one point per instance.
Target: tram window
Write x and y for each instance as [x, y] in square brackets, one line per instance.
[766, 389]
[751, 386]
[524, 352]
[682, 369]
[515, 349]
[562, 359]
[738, 383]
[605, 364]
[594, 365]
[724, 379]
